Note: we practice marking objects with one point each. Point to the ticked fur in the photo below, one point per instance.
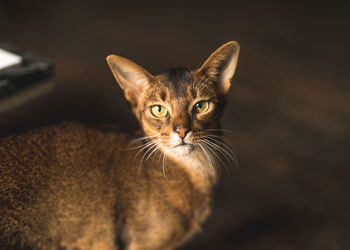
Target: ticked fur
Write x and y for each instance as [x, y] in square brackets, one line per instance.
[74, 186]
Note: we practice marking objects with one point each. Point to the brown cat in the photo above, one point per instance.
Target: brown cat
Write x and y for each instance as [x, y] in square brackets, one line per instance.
[74, 186]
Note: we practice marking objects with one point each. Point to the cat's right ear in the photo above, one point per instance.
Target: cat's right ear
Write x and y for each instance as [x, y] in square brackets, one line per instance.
[132, 78]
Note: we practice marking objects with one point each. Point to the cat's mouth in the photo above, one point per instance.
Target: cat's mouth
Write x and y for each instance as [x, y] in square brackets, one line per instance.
[179, 146]
[183, 148]
[182, 144]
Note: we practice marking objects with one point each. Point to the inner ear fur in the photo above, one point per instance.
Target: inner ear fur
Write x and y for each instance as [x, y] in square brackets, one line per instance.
[132, 78]
[221, 66]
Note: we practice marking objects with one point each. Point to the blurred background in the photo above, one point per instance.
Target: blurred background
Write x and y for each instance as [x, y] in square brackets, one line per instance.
[289, 107]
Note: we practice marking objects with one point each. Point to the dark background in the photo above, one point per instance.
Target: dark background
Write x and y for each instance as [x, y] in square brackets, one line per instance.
[289, 106]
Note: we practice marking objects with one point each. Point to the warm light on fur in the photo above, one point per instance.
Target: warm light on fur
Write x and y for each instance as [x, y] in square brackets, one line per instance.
[78, 186]
[210, 82]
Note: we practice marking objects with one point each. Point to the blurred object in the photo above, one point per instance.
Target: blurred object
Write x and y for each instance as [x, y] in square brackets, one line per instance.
[8, 59]
[23, 77]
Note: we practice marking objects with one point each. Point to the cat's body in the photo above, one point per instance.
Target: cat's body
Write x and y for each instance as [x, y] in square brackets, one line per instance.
[75, 186]
[78, 193]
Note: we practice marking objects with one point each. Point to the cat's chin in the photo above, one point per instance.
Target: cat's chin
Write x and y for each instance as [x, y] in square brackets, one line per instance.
[183, 149]
[180, 150]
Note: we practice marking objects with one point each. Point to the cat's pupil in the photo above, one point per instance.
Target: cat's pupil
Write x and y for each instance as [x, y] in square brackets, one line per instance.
[159, 108]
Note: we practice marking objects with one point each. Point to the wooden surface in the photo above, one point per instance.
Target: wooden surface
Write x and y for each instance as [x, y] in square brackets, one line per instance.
[289, 108]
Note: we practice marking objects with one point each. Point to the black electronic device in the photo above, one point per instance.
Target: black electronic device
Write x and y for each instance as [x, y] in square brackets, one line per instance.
[23, 76]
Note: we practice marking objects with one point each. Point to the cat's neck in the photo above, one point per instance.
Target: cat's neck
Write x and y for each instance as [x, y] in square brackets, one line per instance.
[202, 171]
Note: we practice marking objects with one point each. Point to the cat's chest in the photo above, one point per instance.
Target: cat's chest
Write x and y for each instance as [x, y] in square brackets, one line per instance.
[200, 170]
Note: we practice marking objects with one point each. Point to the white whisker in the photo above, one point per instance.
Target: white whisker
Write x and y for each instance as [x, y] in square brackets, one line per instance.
[140, 139]
[224, 142]
[220, 138]
[148, 150]
[142, 145]
[224, 149]
[144, 137]
[205, 151]
[222, 130]
[154, 151]
[164, 164]
[212, 147]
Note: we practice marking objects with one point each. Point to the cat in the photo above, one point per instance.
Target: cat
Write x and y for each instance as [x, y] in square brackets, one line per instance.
[78, 186]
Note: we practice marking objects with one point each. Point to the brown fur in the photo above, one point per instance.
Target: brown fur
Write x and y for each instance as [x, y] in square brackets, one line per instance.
[74, 186]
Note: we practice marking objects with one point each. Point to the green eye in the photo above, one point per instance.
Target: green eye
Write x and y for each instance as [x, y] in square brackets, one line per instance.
[201, 107]
[159, 111]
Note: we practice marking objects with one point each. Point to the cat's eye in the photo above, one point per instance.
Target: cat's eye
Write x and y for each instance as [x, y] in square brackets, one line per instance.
[159, 111]
[201, 107]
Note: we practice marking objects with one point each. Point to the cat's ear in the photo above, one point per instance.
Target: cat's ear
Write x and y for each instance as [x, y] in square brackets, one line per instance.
[132, 78]
[221, 66]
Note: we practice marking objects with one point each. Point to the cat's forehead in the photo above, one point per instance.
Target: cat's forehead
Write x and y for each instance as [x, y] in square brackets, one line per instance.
[178, 83]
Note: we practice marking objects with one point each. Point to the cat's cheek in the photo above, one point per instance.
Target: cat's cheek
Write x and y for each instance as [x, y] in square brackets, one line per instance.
[201, 121]
[155, 126]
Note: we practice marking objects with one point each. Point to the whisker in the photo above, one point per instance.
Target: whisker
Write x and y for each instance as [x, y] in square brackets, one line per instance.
[146, 147]
[205, 151]
[221, 138]
[228, 158]
[145, 137]
[164, 165]
[211, 159]
[154, 151]
[226, 150]
[222, 130]
[160, 157]
[216, 147]
[143, 148]
[142, 138]
[142, 145]
[148, 150]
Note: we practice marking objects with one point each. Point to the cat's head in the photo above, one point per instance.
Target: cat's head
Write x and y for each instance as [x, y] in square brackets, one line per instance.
[180, 106]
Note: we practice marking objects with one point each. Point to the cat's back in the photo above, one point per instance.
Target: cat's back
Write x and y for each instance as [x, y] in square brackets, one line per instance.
[28, 152]
[47, 173]
[69, 148]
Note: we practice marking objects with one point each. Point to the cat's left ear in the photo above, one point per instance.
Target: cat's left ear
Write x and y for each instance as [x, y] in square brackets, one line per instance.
[132, 78]
[221, 66]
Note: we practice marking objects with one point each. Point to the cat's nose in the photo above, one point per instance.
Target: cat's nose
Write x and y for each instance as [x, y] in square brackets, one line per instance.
[182, 131]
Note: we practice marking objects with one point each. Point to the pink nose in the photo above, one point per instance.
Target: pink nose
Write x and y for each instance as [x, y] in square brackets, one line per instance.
[182, 132]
